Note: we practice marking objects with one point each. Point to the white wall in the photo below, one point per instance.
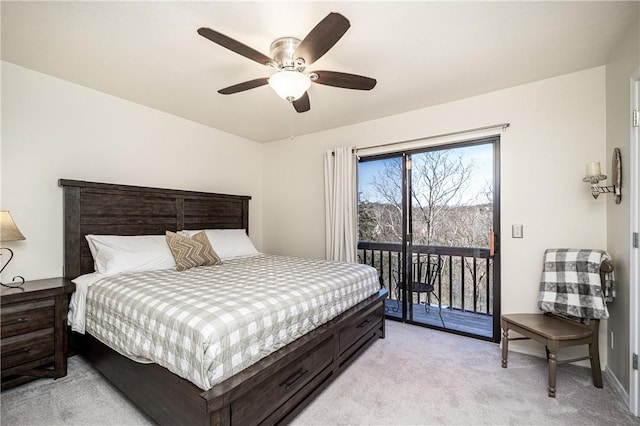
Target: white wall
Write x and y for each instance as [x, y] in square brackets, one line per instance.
[557, 126]
[54, 129]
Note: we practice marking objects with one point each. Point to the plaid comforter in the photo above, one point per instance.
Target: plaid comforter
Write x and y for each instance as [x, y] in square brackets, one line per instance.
[208, 323]
[570, 283]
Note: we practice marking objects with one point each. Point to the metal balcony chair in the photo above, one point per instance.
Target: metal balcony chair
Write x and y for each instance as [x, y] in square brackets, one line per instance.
[556, 332]
[425, 275]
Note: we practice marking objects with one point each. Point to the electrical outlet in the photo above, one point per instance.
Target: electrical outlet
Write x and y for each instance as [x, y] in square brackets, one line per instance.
[611, 339]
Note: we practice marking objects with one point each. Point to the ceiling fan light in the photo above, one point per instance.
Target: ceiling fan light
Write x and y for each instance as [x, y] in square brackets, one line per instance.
[290, 85]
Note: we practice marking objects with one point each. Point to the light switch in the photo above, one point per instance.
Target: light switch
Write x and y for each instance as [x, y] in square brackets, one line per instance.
[516, 231]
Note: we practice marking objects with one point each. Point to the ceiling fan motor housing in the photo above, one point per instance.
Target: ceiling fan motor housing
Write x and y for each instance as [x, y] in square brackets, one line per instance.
[282, 52]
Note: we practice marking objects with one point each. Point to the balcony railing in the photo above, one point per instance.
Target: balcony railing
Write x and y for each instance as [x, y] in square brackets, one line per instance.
[464, 281]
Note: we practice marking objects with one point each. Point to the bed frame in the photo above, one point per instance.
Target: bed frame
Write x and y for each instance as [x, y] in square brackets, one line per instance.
[271, 391]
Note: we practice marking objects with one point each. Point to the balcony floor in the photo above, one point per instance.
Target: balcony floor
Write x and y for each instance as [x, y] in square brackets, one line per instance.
[467, 322]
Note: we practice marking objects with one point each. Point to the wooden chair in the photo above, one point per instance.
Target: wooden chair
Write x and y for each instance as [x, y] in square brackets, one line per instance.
[557, 332]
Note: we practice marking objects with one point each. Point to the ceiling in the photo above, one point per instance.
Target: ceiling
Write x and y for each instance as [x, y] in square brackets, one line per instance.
[421, 53]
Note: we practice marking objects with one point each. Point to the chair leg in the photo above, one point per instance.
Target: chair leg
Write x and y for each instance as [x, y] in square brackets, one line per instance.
[596, 372]
[439, 308]
[553, 362]
[505, 346]
[397, 308]
[546, 349]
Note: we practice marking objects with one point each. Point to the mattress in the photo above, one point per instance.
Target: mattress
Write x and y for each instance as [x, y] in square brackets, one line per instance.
[208, 323]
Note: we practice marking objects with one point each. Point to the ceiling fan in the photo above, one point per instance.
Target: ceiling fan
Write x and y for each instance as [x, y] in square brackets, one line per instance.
[290, 57]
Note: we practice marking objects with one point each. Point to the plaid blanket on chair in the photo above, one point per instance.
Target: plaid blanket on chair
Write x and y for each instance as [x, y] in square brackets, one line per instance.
[570, 283]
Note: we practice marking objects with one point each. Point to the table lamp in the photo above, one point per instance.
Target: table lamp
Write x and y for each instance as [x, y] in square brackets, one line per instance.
[9, 232]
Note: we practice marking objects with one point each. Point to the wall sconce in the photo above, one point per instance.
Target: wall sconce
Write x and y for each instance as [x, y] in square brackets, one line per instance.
[9, 232]
[594, 176]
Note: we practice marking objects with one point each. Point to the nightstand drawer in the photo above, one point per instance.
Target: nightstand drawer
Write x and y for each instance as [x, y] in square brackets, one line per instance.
[27, 347]
[25, 317]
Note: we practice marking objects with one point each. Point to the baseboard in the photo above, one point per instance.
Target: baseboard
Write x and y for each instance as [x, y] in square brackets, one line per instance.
[615, 383]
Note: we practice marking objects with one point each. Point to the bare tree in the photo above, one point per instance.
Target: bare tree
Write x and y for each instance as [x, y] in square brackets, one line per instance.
[438, 182]
[388, 211]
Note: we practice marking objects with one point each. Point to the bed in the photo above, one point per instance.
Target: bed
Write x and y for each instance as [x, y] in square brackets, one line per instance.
[270, 391]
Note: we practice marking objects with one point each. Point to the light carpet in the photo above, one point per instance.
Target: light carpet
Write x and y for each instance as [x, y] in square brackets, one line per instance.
[415, 376]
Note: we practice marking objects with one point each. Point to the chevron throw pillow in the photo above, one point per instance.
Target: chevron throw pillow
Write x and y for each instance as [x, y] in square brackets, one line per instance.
[191, 252]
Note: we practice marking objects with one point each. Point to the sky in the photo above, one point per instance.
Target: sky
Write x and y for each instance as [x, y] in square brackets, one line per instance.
[481, 155]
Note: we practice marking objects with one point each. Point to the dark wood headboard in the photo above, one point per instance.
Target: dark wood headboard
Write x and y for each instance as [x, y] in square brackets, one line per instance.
[101, 208]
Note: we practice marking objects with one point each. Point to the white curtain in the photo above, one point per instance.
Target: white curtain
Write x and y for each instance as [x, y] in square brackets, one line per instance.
[340, 195]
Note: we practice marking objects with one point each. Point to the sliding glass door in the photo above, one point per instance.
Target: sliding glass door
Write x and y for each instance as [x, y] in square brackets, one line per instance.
[382, 223]
[428, 221]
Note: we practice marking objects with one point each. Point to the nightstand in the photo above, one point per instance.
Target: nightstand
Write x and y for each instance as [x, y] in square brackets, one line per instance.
[34, 330]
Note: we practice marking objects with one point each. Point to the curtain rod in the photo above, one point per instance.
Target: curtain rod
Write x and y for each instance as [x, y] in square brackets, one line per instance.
[459, 132]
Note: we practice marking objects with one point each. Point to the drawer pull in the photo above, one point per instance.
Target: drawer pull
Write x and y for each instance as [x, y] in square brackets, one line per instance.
[291, 380]
[364, 323]
[16, 352]
[16, 321]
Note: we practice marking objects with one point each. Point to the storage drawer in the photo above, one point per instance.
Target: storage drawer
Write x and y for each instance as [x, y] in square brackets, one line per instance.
[25, 317]
[28, 347]
[360, 326]
[270, 394]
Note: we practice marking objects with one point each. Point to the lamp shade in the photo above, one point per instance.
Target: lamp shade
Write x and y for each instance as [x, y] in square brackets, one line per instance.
[289, 85]
[8, 229]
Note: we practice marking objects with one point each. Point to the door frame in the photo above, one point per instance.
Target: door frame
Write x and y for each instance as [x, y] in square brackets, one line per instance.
[405, 155]
[496, 294]
[497, 266]
[407, 240]
[634, 252]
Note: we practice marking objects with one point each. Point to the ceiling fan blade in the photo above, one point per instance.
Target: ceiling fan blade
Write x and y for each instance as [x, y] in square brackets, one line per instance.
[241, 87]
[344, 80]
[302, 104]
[234, 46]
[322, 37]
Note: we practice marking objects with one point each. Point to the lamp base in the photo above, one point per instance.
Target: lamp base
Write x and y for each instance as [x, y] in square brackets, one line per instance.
[13, 283]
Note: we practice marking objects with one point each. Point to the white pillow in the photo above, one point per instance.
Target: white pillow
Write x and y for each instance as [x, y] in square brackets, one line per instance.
[227, 243]
[119, 253]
